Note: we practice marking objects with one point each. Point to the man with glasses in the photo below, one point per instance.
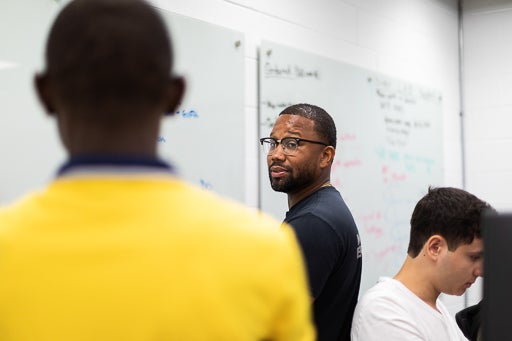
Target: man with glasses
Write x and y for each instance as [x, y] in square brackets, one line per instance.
[300, 153]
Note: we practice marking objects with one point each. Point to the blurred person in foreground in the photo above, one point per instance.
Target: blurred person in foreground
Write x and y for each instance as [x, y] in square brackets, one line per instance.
[117, 247]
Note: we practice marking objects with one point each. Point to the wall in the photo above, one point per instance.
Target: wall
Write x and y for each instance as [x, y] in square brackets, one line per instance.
[29, 146]
[488, 101]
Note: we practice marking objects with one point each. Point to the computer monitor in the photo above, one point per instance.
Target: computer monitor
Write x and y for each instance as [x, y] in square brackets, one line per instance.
[497, 284]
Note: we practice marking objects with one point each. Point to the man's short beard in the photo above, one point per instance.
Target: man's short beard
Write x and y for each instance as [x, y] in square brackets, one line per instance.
[291, 184]
[281, 185]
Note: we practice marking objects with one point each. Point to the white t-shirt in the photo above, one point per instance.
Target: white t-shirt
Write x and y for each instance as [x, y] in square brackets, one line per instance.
[389, 311]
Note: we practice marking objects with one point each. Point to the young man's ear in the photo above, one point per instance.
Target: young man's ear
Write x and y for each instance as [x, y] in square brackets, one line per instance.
[435, 246]
[43, 91]
[175, 92]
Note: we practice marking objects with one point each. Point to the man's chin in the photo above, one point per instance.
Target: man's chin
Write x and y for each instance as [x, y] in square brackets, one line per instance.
[278, 186]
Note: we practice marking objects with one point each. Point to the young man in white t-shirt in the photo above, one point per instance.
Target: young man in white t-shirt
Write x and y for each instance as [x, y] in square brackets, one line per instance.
[445, 255]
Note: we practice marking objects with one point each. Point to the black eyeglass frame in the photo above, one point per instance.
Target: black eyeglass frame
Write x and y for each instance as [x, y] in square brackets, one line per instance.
[296, 139]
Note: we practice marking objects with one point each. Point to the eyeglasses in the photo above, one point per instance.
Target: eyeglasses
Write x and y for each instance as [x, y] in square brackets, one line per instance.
[289, 144]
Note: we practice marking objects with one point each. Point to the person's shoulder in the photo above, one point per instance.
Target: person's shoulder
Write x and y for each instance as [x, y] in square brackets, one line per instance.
[19, 207]
[234, 217]
[381, 304]
[383, 287]
[231, 209]
[331, 203]
[384, 294]
[18, 217]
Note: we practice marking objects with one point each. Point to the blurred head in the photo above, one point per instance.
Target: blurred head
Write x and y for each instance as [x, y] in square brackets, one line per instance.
[108, 62]
[311, 162]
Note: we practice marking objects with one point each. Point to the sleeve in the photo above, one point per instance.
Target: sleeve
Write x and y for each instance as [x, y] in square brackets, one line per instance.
[321, 247]
[294, 317]
[377, 319]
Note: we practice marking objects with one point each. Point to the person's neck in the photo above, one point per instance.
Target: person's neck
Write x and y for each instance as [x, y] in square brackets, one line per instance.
[137, 143]
[295, 197]
[416, 277]
[126, 137]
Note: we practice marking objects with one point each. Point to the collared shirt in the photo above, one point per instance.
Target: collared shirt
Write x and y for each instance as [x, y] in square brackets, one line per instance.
[114, 164]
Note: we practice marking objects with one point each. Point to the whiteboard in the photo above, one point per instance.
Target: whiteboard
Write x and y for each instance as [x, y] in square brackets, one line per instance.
[30, 150]
[389, 147]
[204, 139]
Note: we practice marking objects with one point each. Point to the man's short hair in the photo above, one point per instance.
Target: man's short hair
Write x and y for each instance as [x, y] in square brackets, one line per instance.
[324, 124]
[449, 212]
[109, 52]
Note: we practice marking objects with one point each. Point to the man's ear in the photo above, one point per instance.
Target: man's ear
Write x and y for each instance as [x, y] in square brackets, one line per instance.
[175, 92]
[435, 246]
[43, 92]
[327, 156]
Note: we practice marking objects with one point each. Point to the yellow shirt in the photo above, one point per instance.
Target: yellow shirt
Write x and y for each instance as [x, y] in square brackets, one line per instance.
[138, 258]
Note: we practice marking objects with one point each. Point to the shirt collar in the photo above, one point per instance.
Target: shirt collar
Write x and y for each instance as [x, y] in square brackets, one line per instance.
[122, 162]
